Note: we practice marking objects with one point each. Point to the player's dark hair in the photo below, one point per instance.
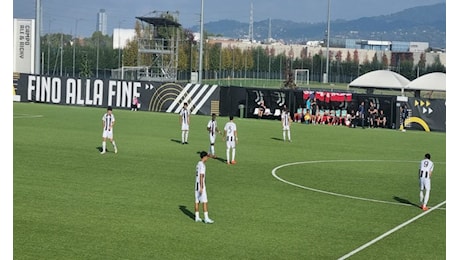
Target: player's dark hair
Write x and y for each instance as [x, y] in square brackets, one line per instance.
[231, 117]
[428, 156]
[203, 154]
[109, 108]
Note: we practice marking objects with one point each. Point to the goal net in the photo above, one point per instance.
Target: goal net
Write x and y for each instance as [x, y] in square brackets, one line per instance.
[302, 77]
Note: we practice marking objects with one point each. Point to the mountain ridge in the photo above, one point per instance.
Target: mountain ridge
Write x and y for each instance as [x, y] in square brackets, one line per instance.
[416, 24]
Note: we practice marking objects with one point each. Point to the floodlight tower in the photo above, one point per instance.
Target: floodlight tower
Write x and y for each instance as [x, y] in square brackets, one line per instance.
[38, 22]
[200, 65]
[269, 30]
[251, 25]
[326, 75]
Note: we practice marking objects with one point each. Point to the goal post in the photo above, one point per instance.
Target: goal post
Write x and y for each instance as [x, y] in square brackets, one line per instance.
[301, 77]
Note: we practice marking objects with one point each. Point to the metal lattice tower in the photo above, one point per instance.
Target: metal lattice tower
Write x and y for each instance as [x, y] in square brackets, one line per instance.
[158, 47]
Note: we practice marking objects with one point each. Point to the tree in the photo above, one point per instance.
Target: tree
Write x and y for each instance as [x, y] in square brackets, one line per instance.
[375, 64]
[436, 66]
[348, 66]
[406, 66]
[187, 51]
[130, 53]
[366, 66]
[385, 61]
[97, 52]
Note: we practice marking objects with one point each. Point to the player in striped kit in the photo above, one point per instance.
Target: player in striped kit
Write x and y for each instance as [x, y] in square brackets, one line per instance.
[108, 121]
[425, 172]
[232, 139]
[213, 131]
[286, 123]
[184, 119]
[201, 195]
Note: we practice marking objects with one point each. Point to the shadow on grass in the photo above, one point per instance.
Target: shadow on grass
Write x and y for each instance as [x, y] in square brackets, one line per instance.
[177, 141]
[99, 148]
[405, 201]
[187, 212]
[277, 139]
[221, 159]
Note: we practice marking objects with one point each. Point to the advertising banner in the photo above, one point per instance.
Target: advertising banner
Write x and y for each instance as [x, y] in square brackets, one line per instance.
[427, 114]
[152, 96]
[424, 114]
[23, 45]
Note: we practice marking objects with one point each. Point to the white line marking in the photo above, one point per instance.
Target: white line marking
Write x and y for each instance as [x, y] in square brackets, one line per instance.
[390, 231]
[359, 198]
[333, 193]
[27, 116]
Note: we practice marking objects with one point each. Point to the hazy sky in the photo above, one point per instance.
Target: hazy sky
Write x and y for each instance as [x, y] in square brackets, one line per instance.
[65, 15]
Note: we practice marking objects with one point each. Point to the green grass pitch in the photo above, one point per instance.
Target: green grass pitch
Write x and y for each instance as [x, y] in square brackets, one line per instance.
[330, 191]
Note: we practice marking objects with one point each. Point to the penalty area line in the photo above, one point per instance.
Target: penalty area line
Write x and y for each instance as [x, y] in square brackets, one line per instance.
[390, 232]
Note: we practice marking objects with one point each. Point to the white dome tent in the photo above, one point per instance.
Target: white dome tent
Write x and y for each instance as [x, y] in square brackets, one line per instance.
[435, 81]
[389, 80]
[380, 79]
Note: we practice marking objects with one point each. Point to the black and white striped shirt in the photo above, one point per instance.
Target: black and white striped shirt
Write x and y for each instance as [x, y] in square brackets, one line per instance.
[426, 166]
[108, 120]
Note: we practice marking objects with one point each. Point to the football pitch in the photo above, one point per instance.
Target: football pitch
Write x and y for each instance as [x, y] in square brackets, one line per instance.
[332, 193]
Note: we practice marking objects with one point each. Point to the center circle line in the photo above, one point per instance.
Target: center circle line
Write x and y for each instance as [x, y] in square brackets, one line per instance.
[333, 193]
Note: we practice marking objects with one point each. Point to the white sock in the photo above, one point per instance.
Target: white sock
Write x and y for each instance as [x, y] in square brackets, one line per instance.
[233, 154]
[212, 149]
[186, 136]
[228, 154]
[114, 145]
[206, 215]
[103, 146]
[421, 196]
[197, 214]
[289, 135]
[427, 196]
[183, 136]
[284, 135]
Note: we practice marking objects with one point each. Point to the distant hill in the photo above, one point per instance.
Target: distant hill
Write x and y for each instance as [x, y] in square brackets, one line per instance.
[417, 24]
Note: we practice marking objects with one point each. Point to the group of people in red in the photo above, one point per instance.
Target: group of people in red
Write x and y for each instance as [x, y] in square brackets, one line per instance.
[322, 116]
[312, 114]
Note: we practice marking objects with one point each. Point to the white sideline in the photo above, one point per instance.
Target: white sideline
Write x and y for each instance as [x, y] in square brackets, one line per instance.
[353, 197]
[390, 231]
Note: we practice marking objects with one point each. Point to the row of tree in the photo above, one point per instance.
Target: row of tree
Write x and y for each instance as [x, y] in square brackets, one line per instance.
[95, 57]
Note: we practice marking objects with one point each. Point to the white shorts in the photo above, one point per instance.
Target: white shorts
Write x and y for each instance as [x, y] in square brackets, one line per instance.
[185, 127]
[231, 144]
[286, 128]
[212, 138]
[107, 134]
[425, 183]
[201, 198]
